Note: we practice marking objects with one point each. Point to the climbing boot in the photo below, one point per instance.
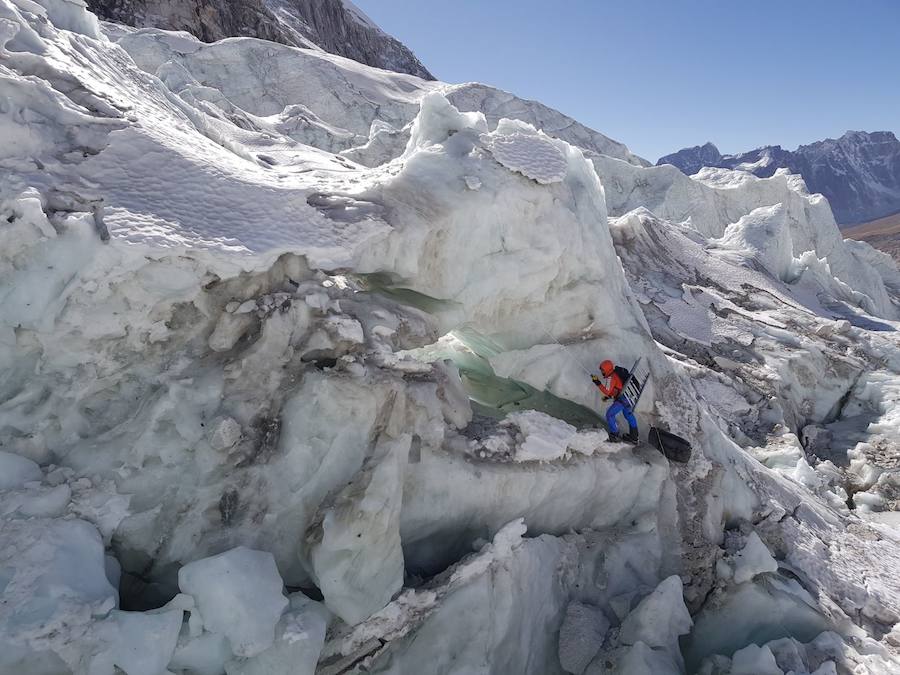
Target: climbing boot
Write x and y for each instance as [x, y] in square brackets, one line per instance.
[632, 436]
[616, 438]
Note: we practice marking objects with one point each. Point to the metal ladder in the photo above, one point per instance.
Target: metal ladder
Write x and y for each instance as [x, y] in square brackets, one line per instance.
[634, 386]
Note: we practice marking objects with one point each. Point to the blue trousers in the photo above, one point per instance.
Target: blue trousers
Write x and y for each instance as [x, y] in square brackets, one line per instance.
[620, 406]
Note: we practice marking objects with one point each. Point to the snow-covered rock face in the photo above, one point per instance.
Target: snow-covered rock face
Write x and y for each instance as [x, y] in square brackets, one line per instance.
[237, 362]
[337, 26]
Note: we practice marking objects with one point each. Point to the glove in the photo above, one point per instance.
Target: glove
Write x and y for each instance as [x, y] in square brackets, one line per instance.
[595, 379]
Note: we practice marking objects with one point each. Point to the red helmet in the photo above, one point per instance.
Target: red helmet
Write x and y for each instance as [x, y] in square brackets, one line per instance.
[607, 367]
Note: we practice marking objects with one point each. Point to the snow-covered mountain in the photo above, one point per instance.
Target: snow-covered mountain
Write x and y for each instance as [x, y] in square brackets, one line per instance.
[859, 172]
[337, 26]
[294, 379]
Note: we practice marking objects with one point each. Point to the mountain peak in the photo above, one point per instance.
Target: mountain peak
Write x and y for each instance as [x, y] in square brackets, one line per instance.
[691, 160]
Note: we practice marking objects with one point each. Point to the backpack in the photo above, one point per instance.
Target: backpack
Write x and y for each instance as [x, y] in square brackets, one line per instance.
[625, 375]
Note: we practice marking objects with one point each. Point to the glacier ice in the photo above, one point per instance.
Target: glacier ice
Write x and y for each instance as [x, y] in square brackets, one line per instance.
[293, 379]
[754, 660]
[16, 470]
[659, 619]
[356, 553]
[238, 594]
[751, 560]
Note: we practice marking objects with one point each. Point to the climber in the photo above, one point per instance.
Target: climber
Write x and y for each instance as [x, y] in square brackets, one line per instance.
[617, 377]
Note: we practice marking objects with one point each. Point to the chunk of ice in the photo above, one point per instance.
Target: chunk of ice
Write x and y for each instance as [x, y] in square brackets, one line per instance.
[238, 594]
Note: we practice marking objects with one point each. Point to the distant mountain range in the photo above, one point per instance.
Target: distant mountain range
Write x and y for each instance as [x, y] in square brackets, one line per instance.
[859, 172]
[335, 26]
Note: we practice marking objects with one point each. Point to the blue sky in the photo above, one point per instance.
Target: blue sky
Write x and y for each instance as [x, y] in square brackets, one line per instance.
[659, 75]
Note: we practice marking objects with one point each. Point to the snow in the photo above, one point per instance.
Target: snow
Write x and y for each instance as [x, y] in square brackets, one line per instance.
[239, 595]
[545, 438]
[531, 155]
[534, 436]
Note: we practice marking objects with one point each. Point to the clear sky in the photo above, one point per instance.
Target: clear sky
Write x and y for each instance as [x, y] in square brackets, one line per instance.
[660, 75]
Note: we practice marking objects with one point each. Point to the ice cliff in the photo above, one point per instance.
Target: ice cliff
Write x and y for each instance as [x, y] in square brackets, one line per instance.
[294, 354]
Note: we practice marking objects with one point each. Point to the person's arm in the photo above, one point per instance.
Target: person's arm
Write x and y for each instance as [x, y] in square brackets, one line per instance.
[603, 389]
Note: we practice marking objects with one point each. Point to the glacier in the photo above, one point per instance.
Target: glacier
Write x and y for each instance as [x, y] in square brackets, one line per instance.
[295, 359]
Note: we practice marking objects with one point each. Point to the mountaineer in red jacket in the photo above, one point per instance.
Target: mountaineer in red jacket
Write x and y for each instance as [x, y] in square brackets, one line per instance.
[617, 377]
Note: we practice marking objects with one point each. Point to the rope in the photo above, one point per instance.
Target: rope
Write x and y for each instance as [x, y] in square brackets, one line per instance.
[568, 353]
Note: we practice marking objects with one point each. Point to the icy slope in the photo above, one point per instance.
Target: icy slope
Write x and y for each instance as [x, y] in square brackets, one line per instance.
[328, 99]
[239, 373]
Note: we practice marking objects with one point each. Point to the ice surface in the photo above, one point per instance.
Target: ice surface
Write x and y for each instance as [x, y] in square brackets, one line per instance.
[450, 500]
[16, 470]
[763, 235]
[138, 643]
[640, 659]
[357, 558]
[581, 636]
[753, 612]
[753, 559]
[659, 619]
[529, 154]
[455, 630]
[223, 291]
[204, 654]
[239, 595]
[299, 637]
[717, 198]
[545, 438]
[754, 660]
[54, 585]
